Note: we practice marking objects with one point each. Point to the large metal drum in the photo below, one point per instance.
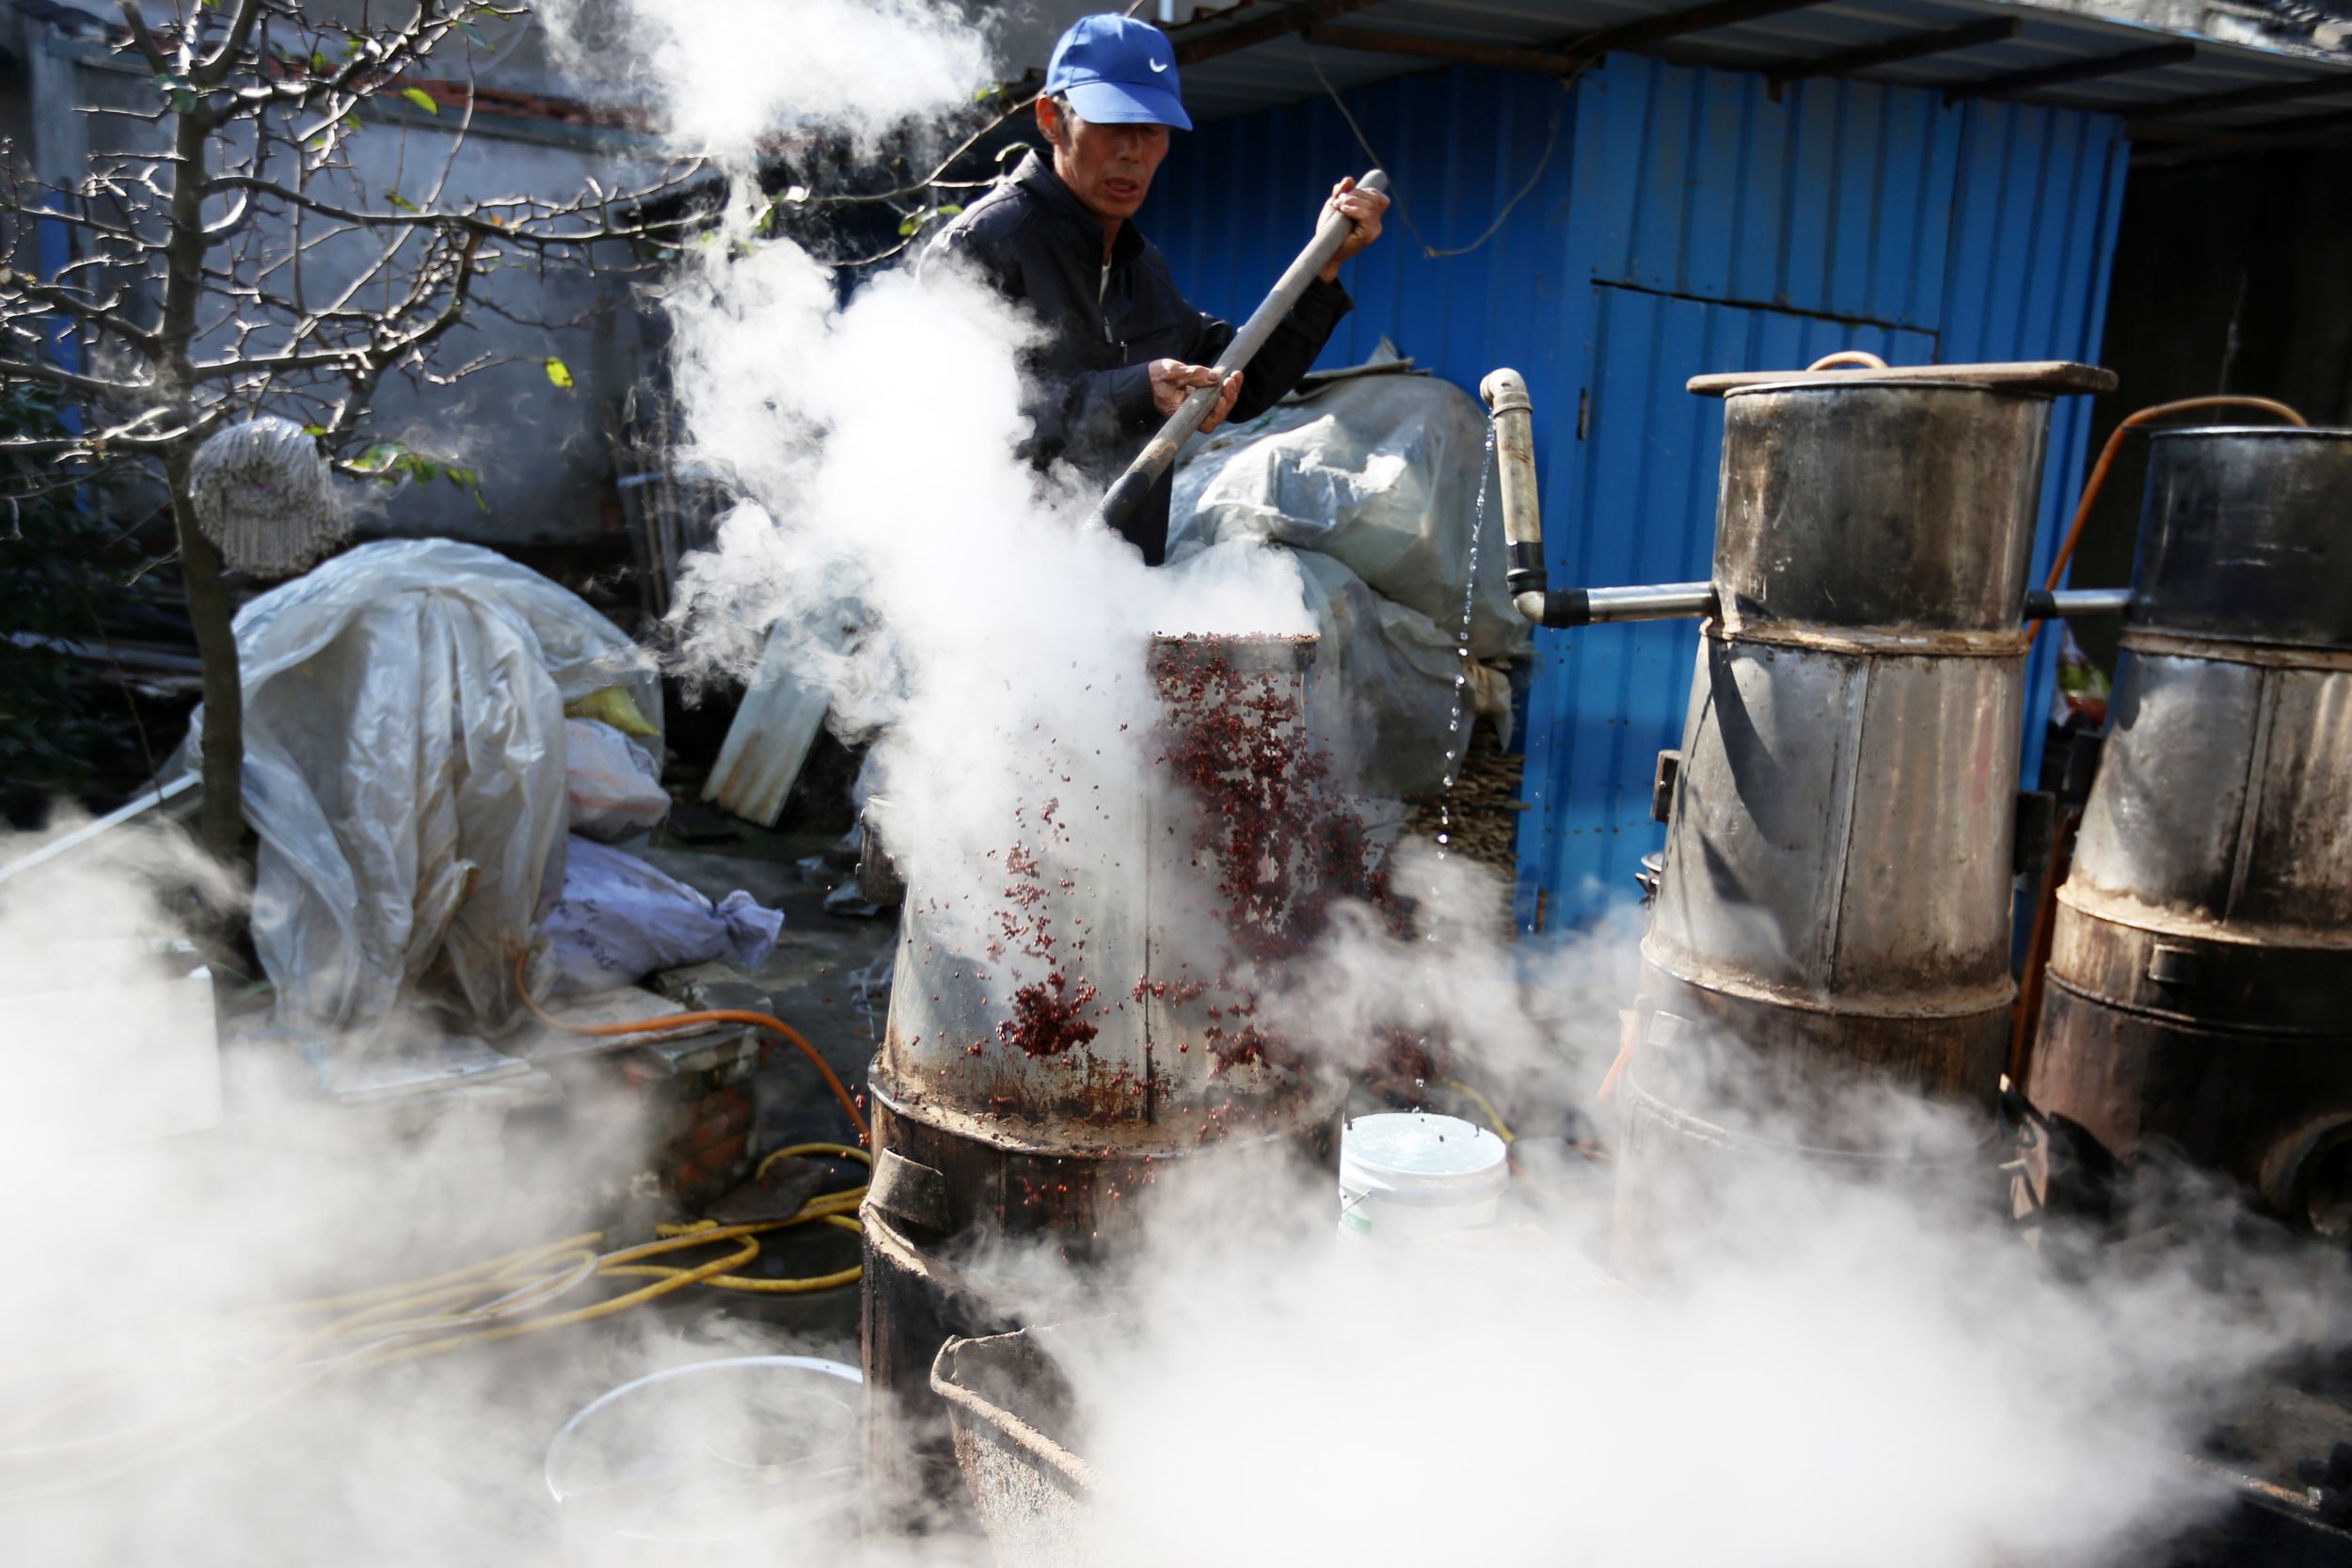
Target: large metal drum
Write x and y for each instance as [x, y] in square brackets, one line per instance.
[1068, 1038]
[1833, 916]
[2202, 956]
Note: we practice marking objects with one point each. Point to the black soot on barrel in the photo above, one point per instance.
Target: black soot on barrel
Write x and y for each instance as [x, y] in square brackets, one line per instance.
[2202, 956]
[1833, 910]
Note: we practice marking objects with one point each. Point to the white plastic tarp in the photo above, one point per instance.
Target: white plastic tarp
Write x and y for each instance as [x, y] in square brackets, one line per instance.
[613, 783]
[1385, 692]
[1378, 471]
[404, 769]
[1373, 481]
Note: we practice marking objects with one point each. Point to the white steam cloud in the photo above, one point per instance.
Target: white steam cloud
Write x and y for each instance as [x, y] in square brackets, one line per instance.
[730, 76]
[1839, 1375]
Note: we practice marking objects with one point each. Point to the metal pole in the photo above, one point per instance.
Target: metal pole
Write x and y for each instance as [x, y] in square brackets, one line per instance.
[1663, 601]
[1126, 496]
[2066, 604]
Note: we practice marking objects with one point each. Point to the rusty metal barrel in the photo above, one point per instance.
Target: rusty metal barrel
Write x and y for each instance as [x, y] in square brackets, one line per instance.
[1065, 1043]
[1832, 914]
[2202, 954]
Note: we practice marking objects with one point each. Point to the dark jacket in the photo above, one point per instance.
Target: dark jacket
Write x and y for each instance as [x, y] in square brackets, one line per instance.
[1087, 391]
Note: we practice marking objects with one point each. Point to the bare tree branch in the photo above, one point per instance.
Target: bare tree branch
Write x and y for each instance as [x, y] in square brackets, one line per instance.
[141, 39]
[214, 68]
[54, 375]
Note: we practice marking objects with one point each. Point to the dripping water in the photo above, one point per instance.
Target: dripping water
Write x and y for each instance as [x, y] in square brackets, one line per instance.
[1457, 737]
[1458, 731]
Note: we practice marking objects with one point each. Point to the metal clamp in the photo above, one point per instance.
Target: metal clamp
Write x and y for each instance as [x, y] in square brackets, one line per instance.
[1661, 785]
[2171, 965]
[910, 1194]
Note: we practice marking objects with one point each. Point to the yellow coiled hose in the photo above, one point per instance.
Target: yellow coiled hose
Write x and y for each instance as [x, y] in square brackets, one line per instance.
[278, 1349]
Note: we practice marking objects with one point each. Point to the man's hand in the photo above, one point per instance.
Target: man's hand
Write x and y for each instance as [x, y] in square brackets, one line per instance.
[1173, 381]
[1363, 208]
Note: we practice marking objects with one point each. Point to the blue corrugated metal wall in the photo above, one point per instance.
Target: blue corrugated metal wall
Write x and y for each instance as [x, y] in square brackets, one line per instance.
[1674, 221]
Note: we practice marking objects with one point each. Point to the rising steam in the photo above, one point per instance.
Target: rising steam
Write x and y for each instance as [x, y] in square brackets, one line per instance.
[1839, 1376]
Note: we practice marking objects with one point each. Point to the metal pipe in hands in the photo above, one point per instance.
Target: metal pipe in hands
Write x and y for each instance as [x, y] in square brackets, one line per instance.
[1128, 492]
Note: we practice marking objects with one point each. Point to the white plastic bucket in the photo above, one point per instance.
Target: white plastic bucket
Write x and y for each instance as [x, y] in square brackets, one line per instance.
[1409, 1174]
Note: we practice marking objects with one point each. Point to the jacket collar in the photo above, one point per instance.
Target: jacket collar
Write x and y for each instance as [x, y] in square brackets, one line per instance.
[1071, 218]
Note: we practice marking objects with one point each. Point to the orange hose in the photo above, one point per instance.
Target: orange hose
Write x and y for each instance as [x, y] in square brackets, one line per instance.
[712, 1015]
[2107, 461]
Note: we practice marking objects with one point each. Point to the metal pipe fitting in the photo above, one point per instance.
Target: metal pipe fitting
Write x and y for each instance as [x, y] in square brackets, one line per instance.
[1593, 607]
[2073, 604]
[1505, 393]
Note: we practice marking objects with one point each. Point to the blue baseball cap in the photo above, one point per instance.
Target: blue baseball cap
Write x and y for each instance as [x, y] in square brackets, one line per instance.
[1116, 71]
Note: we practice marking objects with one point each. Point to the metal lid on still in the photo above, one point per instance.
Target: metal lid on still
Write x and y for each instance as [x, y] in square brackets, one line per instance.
[2049, 377]
[2247, 536]
[1885, 504]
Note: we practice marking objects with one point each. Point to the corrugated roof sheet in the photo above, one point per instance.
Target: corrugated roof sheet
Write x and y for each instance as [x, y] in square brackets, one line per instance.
[1283, 69]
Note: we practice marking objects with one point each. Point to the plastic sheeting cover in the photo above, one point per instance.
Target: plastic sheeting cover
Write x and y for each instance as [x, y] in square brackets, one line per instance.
[1378, 471]
[613, 783]
[1373, 481]
[404, 769]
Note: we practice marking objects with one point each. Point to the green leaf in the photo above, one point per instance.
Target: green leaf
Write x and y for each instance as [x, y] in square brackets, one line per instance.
[313, 430]
[914, 221]
[351, 123]
[559, 373]
[422, 99]
[474, 33]
[318, 63]
[400, 201]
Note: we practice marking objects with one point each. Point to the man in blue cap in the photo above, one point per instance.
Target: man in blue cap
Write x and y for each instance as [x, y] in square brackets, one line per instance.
[1124, 348]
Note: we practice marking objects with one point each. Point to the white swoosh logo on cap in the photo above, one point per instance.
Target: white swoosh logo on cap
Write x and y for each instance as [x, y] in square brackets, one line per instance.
[1156, 66]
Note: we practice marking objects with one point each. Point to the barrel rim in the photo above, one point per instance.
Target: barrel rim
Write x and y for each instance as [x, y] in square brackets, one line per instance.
[2174, 433]
[1891, 384]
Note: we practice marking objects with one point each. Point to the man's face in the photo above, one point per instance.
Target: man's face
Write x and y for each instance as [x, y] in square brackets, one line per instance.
[1109, 167]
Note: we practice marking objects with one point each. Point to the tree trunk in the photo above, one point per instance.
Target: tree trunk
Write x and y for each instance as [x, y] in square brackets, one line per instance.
[221, 823]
